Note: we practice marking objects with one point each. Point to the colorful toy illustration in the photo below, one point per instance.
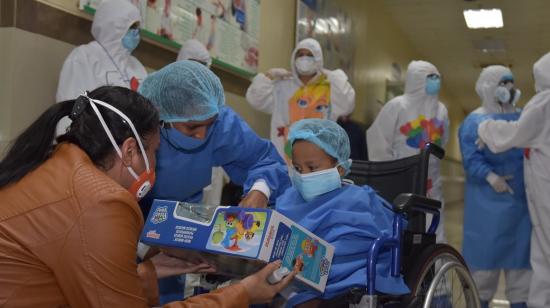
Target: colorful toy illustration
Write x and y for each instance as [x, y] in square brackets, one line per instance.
[237, 225]
[422, 131]
[309, 247]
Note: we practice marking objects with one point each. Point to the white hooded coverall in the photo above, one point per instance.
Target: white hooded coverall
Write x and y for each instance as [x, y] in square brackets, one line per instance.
[407, 122]
[103, 61]
[532, 132]
[288, 100]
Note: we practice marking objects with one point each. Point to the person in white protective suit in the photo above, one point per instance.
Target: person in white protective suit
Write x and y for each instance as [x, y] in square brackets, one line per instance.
[407, 122]
[310, 91]
[106, 61]
[531, 132]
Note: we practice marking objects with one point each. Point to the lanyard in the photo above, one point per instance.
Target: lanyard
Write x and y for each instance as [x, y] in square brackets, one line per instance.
[123, 75]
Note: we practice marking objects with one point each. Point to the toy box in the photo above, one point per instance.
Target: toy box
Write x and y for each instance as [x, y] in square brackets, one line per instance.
[237, 241]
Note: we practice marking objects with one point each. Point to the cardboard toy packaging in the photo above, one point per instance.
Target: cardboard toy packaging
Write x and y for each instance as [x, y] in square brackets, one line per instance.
[237, 241]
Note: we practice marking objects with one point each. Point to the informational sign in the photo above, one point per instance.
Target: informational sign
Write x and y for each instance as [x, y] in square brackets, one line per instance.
[229, 29]
[325, 21]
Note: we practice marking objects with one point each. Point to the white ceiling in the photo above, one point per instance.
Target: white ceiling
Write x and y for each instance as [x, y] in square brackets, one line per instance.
[438, 32]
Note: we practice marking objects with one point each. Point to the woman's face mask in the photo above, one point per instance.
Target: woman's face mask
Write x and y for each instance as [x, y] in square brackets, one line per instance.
[305, 65]
[143, 182]
[313, 184]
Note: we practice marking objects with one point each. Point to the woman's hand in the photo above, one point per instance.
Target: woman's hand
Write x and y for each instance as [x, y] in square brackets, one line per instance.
[166, 266]
[259, 290]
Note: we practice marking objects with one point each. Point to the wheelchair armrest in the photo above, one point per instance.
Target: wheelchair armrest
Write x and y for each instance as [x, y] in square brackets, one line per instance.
[406, 202]
[435, 150]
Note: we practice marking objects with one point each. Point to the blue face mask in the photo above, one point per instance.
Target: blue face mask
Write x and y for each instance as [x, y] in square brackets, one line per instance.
[184, 143]
[433, 85]
[317, 183]
[131, 39]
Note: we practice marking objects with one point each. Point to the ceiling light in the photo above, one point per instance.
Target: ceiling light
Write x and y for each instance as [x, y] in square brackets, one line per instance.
[476, 19]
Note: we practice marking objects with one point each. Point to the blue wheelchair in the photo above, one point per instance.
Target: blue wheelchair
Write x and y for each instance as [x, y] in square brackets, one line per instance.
[436, 274]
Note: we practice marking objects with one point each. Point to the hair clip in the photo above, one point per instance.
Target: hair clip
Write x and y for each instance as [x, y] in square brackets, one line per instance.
[79, 106]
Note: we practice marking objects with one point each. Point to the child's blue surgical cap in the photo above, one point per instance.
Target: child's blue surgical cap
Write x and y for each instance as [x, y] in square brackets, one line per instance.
[327, 135]
[184, 91]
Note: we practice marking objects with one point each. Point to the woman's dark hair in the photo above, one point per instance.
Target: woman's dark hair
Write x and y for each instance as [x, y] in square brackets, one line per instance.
[35, 145]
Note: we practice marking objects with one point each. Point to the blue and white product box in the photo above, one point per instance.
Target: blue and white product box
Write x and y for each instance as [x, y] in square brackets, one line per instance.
[237, 241]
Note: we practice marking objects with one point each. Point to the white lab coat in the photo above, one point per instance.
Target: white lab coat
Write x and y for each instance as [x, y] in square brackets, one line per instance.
[103, 61]
[532, 131]
[273, 96]
[390, 136]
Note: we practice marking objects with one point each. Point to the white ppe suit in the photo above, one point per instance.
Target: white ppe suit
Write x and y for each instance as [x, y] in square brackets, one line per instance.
[103, 61]
[407, 122]
[328, 95]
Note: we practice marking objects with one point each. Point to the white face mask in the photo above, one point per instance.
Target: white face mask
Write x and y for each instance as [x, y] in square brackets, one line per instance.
[305, 65]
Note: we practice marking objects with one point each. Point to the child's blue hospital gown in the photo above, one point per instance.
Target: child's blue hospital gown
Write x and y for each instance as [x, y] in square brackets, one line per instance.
[350, 218]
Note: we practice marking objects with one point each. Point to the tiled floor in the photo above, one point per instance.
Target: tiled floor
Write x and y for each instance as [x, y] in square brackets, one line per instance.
[454, 217]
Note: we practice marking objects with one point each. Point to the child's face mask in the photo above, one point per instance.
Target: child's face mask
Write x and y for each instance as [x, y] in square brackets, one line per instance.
[313, 184]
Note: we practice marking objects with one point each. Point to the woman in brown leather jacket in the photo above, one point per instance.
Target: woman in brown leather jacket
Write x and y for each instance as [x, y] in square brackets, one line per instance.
[69, 220]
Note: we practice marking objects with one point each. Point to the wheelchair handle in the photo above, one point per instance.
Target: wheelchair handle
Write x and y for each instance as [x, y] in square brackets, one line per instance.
[428, 150]
[404, 203]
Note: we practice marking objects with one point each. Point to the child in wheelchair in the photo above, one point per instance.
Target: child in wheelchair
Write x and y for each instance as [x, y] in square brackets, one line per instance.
[348, 216]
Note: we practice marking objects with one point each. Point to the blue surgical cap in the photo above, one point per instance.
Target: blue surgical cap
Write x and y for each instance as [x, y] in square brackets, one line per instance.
[184, 91]
[327, 135]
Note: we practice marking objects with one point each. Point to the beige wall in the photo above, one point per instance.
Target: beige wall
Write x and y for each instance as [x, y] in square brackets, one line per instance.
[6, 67]
[28, 79]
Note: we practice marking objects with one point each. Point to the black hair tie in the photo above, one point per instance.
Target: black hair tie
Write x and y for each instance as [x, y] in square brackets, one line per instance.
[78, 107]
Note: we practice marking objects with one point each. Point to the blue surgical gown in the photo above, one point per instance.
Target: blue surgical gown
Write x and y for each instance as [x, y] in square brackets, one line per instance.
[184, 164]
[497, 228]
[350, 218]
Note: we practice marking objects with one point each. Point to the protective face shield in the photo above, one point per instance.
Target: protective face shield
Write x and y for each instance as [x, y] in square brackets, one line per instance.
[305, 65]
[317, 183]
[433, 84]
[131, 39]
[506, 93]
[145, 181]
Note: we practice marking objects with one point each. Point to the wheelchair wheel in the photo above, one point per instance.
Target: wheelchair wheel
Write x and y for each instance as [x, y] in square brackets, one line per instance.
[440, 278]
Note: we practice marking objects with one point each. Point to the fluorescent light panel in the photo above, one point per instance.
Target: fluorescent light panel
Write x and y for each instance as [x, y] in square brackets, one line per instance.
[483, 19]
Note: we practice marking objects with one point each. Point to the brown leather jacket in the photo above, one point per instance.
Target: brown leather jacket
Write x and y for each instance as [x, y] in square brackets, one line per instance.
[68, 237]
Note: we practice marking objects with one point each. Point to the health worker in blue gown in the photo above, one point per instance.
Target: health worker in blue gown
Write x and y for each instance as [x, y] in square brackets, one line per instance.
[201, 132]
[497, 228]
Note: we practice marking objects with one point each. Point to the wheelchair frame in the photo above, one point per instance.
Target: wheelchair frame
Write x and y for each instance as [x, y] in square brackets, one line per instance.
[406, 205]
